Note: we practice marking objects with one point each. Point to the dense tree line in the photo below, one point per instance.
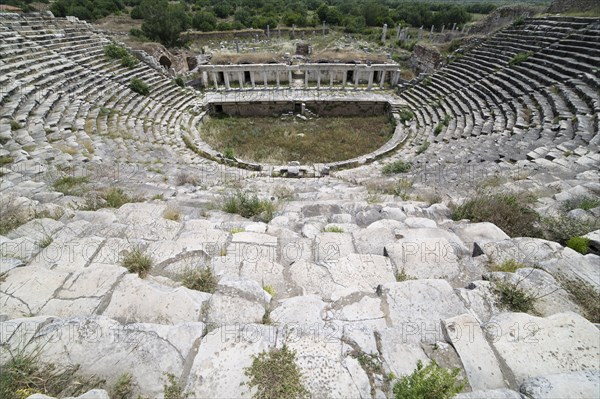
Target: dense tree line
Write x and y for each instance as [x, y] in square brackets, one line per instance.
[164, 20]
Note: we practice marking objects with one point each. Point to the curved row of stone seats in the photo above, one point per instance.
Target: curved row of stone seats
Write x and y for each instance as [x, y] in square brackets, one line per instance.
[64, 76]
[480, 93]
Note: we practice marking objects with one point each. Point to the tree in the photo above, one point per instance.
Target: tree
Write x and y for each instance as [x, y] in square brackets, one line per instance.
[204, 21]
[163, 21]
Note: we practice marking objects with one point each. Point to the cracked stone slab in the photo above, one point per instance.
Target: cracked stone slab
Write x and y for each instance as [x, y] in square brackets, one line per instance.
[26, 290]
[329, 247]
[490, 394]
[350, 274]
[531, 346]
[143, 301]
[399, 354]
[224, 353]
[425, 258]
[107, 349]
[478, 359]
[416, 307]
[579, 384]
[70, 256]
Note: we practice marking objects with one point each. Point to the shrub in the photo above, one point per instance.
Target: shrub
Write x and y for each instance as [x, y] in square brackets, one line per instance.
[139, 86]
[508, 266]
[438, 129]
[333, 229]
[563, 227]
[115, 52]
[179, 81]
[11, 217]
[398, 166]
[70, 185]
[128, 62]
[275, 375]
[427, 81]
[138, 262]
[429, 382]
[507, 212]
[446, 120]
[579, 244]
[513, 298]
[519, 58]
[202, 279]
[406, 115]
[249, 206]
[45, 242]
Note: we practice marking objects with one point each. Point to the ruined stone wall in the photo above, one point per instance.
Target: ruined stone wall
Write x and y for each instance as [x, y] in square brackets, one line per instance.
[559, 6]
[321, 108]
[425, 59]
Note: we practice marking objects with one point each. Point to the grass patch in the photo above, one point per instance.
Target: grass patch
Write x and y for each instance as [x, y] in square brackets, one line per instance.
[582, 202]
[513, 298]
[179, 81]
[398, 166]
[401, 276]
[269, 290]
[508, 266]
[201, 279]
[249, 206]
[116, 197]
[138, 262]
[519, 58]
[11, 217]
[23, 375]
[182, 178]
[586, 296]
[579, 244]
[6, 160]
[438, 129]
[139, 86]
[429, 382]
[172, 213]
[172, 389]
[236, 230]
[14, 125]
[276, 375]
[423, 147]
[270, 139]
[510, 213]
[45, 242]
[70, 185]
[123, 388]
[333, 229]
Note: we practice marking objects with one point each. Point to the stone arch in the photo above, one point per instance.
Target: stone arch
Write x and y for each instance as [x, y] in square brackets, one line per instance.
[165, 61]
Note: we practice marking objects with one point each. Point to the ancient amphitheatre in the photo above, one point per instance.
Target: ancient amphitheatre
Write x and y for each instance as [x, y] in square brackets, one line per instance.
[137, 260]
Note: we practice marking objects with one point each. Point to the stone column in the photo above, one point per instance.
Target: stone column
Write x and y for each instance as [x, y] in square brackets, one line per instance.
[398, 30]
[344, 78]
[356, 78]
[370, 85]
[443, 27]
[420, 33]
[268, 32]
[290, 80]
[318, 79]
[294, 31]
[384, 33]
[237, 47]
[265, 79]
[323, 28]
[382, 79]
[226, 78]
[277, 78]
[241, 79]
[306, 79]
[454, 27]
[214, 76]
[252, 79]
[331, 72]
[431, 33]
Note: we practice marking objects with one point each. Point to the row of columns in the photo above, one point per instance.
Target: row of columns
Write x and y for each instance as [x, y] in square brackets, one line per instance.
[241, 78]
